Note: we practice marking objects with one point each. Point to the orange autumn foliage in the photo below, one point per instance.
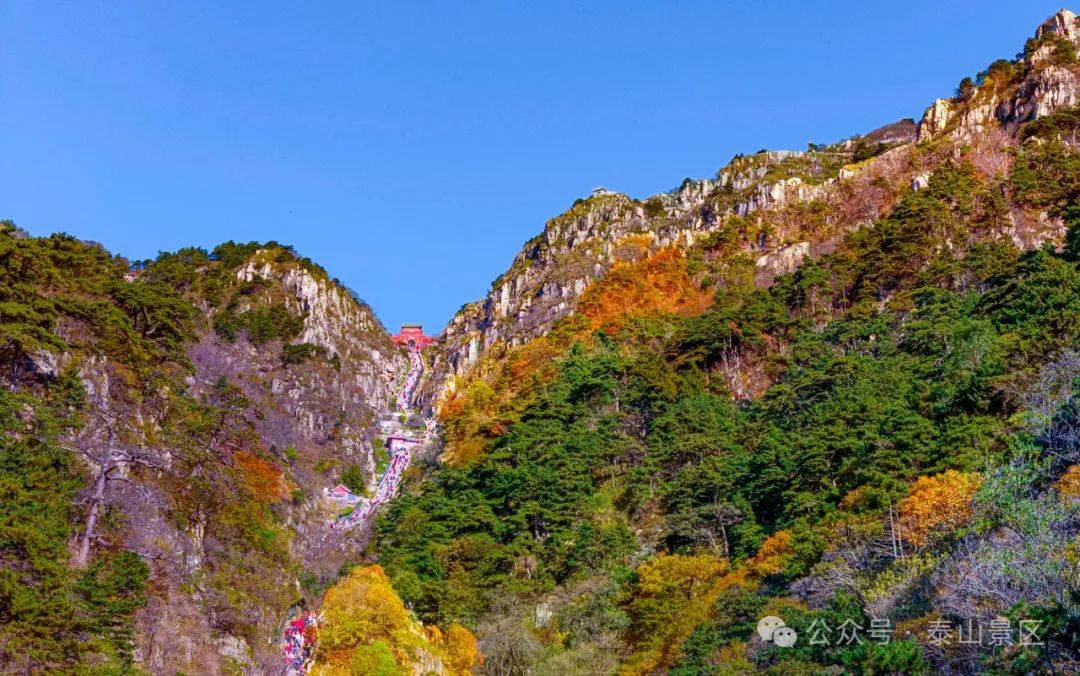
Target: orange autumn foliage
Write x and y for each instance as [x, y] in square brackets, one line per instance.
[659, 283]
[936, 504]
[494, 393]
[1068, 486]
[772, 556]
[855, 499]
[462, 652]
[264, 480]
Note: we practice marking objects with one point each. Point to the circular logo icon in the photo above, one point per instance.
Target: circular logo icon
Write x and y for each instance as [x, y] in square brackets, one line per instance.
[767, 625]
[785, 637]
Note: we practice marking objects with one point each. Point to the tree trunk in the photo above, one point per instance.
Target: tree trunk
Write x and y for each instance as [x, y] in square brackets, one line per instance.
[111, 463]
[92, 516]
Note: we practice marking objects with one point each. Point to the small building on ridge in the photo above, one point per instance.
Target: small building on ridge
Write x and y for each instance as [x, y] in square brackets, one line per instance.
[341, 494]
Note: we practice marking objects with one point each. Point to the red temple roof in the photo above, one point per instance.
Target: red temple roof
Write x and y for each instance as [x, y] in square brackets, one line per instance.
[412, 334]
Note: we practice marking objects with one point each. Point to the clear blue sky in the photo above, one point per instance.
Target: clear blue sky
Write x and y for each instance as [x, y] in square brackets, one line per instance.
[435, 137]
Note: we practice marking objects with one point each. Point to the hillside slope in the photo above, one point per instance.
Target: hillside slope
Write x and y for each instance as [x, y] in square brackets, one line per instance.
[776, 207]
[835, 387]
[211, 397]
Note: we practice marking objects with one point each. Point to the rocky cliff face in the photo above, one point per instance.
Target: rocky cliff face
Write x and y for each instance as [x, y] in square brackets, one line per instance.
[553, 269]
[1009, 94]
[761, 196]
[764, 197]
[330, 400]
[282, 430]
[786, 205]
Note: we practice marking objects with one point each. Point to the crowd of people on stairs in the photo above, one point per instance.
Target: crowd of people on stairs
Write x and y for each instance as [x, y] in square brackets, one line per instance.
[298, 648]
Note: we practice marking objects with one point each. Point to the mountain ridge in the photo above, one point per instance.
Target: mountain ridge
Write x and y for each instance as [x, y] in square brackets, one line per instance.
[522, 296]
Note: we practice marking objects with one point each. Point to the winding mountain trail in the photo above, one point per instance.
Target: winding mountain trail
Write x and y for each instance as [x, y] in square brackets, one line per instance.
[300, 636]
[398, 444]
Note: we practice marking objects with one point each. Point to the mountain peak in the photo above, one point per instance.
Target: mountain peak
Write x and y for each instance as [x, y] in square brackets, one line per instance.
[1063, 23]
[1042, 80]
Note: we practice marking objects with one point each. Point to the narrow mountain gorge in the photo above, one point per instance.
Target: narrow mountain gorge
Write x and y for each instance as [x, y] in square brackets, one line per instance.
[835, 386]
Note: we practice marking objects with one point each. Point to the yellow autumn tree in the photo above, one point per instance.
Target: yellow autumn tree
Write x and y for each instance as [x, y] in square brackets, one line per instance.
[671, 597]
[936, 504]
[676, 593]
[366, 629]
[677, 575]
[462, 653]
[362, 614]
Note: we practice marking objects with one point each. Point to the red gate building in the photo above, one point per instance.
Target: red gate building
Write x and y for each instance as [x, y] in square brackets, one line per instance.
[412, 335]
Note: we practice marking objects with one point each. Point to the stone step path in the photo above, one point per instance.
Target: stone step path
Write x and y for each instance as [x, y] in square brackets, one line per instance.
[298, 643]
[399, 446]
